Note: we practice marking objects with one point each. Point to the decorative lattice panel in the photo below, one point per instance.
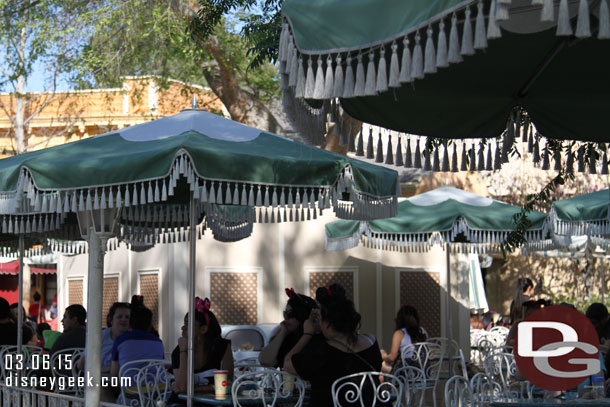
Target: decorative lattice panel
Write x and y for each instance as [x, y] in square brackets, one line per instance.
[111, 295]
[234, 298]
[149, 288]
[422, 290]
[324, 279]
[75, 292]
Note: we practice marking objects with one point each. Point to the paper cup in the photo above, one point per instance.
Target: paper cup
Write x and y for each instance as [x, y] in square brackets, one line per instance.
[288, 380]
[220, 384]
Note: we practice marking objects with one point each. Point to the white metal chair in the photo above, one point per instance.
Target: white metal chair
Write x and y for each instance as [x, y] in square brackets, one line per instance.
[458, 392]
[10, 363]
[246, 365]
[365, 389]
[270, 386]
[145, 383]
[63, 367]
[484, 390]
[501, 368]
[429, 358]
[414, 383]
[451, 356]
[240, 335]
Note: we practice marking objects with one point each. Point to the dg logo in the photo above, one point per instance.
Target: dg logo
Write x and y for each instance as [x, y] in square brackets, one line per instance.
[556, 348]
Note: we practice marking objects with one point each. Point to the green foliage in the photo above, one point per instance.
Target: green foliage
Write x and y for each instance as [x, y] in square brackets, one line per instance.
[261, 25]
[47, 33]
[144, 37]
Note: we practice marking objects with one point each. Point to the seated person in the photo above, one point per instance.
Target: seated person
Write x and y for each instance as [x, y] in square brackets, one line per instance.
[40, 328]
[338, 352]
[475, 322]
[8, 326]
[27, 323]
[599, 317]
[136, 344]
[407, 332]
[117, 321]
[211, 352]
[75, 333]
[289, 332]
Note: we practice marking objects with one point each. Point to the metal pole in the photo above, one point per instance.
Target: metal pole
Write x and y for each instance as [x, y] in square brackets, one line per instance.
[603, 279]
[448, 298]
[95, 287]
[20, 297]
[191, 301]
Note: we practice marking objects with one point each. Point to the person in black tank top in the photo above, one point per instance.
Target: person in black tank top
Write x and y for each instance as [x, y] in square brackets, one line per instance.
[297, 311]
[331, 347]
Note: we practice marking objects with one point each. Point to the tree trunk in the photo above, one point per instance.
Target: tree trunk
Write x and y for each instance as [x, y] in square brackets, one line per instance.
[20, 95]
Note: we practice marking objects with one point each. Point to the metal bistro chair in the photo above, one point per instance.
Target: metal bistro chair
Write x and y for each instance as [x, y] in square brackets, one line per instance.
[429, 358]
[414, 383]
[150, 383]
[484, 390]
[246, 365]
[10, 363]
[270, 387]
[458, 392]
[454, 363]
[59, 362]
[501, 368]
[240, 335]
[365, 389]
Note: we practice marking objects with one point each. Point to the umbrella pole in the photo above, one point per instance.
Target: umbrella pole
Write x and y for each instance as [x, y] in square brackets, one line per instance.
[191, 300]
[448, 297]
[20, 297]
[603, 280]
[95, 286]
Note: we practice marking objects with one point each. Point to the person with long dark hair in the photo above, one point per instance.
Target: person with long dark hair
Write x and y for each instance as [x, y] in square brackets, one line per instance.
[289, 332]
[524, 290]
[211, 352]
[338, 352]
[407, 332]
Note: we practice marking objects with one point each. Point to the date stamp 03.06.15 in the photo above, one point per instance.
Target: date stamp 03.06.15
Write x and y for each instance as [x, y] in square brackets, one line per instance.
[61, 373]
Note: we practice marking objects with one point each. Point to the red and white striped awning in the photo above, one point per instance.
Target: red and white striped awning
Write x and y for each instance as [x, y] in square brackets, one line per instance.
[13, 268]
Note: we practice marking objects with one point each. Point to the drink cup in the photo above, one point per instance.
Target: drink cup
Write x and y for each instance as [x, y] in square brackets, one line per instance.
[288, 386]
[220, 384]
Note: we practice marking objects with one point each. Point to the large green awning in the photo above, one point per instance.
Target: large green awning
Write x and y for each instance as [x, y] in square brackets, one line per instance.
[451, 69]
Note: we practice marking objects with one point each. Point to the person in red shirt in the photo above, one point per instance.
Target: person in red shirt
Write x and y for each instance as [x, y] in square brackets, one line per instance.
[36, 310]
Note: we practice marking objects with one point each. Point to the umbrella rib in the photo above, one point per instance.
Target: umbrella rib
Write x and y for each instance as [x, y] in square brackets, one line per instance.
[559, 46]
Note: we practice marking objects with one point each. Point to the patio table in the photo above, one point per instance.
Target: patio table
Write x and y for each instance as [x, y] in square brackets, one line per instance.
[605, 402]
[209, 399]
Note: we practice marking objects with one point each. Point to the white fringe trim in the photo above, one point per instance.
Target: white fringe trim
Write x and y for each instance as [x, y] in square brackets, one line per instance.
[35, 205]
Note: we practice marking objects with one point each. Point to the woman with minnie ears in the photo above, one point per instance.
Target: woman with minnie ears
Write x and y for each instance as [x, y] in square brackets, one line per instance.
[338, 352]
[289, 332]
[211, 352]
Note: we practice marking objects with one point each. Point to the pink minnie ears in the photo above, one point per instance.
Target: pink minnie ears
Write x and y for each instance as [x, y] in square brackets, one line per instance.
[203, 306]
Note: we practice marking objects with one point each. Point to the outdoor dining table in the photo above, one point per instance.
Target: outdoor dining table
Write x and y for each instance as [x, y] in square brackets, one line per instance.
[605, 402]
[209, 399]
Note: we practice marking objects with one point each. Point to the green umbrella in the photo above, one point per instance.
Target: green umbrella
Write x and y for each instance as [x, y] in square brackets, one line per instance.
[454, 69]
[159, 177]
[224, 162]
[585, 214]
[444, 214]
[441, 215]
